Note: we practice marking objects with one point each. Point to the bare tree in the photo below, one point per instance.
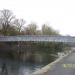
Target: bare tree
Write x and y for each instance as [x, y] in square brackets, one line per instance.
[31, 29]
[6, 18]
[47, 30]
[19, 24]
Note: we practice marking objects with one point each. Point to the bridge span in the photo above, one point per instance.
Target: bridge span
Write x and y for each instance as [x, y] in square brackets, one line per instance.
[37, 38]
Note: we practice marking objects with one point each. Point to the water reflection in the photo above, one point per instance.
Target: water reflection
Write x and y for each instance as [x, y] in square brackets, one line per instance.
[10, 67]
[4, 69]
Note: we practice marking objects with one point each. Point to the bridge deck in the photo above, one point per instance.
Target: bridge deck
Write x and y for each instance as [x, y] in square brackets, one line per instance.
[53, 38]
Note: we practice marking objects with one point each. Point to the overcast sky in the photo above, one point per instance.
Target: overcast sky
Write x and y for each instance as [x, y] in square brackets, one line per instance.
[59, 14]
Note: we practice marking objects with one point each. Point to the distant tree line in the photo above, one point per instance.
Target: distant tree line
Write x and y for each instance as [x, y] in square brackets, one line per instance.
[10, 25]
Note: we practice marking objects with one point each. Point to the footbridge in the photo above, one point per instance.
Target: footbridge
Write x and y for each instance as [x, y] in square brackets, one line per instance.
[37, 38]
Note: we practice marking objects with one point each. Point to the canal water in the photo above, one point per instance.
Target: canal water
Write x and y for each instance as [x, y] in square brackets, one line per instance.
[14, 67]
[26, 59]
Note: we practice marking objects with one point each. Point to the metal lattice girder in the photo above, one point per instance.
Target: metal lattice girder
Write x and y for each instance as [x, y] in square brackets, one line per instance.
[46, 38]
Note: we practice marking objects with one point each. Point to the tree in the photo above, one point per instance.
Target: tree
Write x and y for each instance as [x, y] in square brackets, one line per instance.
[31, 29]
[19, 24]
[46, 30]
[6, 19]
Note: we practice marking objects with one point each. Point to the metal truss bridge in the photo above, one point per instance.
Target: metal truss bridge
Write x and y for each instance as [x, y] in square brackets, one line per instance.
[38, 38]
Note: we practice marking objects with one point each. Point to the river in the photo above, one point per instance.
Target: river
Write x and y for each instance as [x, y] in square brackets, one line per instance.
[15, 67]
[25, 60]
